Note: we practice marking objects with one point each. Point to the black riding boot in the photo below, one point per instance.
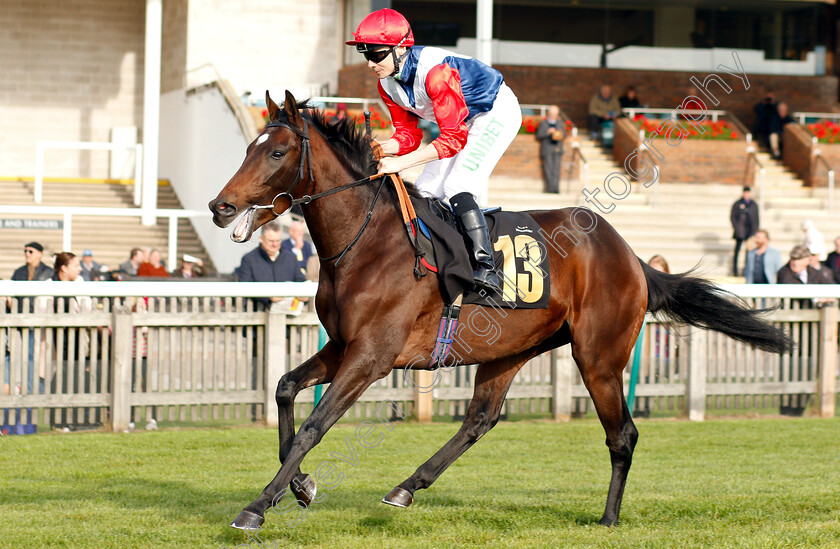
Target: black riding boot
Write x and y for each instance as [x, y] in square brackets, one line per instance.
[474, 227]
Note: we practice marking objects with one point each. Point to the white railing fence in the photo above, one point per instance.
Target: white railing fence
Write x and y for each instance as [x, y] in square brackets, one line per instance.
[116, 352]
[68, 213]
[42, 145]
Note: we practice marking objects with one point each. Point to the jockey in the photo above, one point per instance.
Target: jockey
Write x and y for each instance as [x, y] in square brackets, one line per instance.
[477, 113]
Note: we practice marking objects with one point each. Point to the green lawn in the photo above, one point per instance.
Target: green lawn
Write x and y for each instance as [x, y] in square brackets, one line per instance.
[726, 483]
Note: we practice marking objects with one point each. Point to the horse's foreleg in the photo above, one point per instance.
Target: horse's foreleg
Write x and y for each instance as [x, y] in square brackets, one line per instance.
[361, 366]
[492, 381]
[320, 368]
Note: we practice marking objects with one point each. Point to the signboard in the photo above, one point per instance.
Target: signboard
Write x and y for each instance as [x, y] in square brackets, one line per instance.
[31, 224]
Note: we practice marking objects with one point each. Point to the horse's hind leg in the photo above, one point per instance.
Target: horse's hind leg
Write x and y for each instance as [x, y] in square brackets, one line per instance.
[492, 381]
[600, 364]
[320, 368]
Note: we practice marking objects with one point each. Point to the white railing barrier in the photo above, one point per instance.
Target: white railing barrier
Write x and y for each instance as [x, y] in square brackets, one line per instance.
[42, 145]
[69, 212]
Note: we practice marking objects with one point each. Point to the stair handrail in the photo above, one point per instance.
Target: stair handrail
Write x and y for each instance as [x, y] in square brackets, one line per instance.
[67, 212]
[643, 149]
[801, 116]
[41, 145]
[820, 159]
[752, 156]
[578, 156]
[715, 114]
[243, 117]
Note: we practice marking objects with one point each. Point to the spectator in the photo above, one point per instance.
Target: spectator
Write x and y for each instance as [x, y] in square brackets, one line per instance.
[191, 267]
[777, 125]
[154, 267]
[269, 262]
[551, 134]
[813, 240]
[340, 113]
[744, 219]
[824, 273]
[701, 38]
[833, 260]
[765, 111]
[34, 269]
[763, 262]
[129, 268]
[798, 270]
[628, 100]
[90, 268]
[70, 358]
[603, 107]
[658, 262]
[301, 249]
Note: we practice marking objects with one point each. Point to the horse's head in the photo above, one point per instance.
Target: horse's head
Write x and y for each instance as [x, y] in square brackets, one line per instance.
[273, 167]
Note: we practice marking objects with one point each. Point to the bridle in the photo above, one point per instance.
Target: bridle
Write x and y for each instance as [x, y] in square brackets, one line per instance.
[306, 162]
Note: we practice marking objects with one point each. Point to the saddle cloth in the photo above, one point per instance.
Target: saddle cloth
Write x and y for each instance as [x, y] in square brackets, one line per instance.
[519, 252]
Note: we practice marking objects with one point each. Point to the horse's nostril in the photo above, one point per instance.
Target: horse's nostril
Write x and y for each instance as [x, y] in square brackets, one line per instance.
[224, 208]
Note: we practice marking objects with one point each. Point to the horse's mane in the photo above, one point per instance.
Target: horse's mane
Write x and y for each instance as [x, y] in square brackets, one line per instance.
[351, 142]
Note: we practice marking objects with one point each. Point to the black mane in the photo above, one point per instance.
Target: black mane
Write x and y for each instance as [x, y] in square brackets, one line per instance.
[351, 142]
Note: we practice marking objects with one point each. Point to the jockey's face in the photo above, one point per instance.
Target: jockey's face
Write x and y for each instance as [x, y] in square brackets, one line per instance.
[385, 67]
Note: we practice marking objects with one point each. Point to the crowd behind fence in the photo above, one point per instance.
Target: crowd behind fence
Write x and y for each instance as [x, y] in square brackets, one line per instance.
[202, 351]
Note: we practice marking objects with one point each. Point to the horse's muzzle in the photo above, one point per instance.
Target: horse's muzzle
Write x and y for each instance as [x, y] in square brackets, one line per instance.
[223, 212]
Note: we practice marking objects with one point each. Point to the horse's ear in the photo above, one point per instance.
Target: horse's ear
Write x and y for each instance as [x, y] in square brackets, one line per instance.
[291, 109]
[272, 106]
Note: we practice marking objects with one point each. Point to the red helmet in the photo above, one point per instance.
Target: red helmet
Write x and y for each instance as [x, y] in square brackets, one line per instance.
[384, 27]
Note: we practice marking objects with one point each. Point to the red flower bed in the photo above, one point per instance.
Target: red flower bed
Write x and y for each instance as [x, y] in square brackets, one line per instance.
[686, 130]
[825, 131]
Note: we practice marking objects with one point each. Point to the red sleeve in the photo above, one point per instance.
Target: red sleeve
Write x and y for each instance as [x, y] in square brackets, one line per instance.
[406, 133]
[443, 83]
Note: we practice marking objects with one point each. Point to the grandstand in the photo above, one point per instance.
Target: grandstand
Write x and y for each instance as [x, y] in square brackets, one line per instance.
[210, 70]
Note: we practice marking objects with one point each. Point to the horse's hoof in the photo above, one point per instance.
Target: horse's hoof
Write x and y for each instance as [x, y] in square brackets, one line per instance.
[399, 497]
[608, 522]
[248, 521]
[304, 489]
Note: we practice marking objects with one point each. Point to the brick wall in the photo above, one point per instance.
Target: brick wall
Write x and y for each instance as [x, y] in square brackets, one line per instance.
[74, 70]
[70, 71]
[571, 88]
[796, 153]
[819, 175]
[688, 161]
[522, 160]
[625, 141]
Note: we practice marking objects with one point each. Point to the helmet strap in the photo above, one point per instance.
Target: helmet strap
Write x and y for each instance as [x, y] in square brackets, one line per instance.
[401, 57]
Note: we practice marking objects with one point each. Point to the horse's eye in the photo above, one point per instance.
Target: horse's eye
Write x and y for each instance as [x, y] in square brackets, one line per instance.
[277, 155]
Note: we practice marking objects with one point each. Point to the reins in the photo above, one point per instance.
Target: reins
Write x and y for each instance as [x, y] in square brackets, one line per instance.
[406, 207]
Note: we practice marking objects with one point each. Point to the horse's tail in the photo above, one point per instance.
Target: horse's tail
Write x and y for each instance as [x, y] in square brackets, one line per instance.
[698, 302]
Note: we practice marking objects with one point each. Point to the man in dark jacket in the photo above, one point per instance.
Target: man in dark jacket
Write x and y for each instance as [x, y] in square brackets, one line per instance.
[270, 263]
[550, 134]
[744, 219]
[833, 260]
[798, 269]
[34, 269]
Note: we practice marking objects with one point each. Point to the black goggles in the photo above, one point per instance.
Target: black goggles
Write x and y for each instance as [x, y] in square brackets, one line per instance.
[377, 56]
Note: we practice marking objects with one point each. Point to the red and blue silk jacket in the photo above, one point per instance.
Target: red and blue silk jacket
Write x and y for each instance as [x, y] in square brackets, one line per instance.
[442, 87]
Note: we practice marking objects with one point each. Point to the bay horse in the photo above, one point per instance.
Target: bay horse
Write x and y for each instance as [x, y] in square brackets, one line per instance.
[379, 315]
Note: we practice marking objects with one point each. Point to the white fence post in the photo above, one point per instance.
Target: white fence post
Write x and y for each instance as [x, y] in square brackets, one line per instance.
[695, 388]
[562, 369]
[275, 361]
[827, 380]
[121, 368]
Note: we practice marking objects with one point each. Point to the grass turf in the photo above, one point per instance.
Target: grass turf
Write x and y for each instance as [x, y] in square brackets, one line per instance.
[735, 483]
